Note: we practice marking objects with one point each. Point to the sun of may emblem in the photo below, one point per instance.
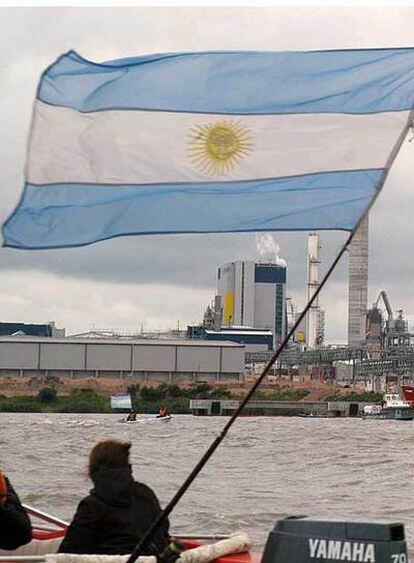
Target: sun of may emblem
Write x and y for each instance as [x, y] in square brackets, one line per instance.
[217, 147]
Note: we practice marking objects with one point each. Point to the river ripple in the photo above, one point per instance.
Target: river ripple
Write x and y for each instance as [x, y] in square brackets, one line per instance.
[266, 468]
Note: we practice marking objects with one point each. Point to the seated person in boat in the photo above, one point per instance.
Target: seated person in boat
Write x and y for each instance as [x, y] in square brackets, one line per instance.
[162, 412]
[15, 526]
[118, 511]
[132, 416]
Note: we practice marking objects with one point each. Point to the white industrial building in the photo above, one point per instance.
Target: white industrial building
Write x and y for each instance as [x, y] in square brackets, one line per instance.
[254, 295]
[171, 361]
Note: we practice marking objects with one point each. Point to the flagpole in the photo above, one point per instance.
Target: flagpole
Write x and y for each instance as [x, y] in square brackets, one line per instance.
[206, 456]
[173, 502]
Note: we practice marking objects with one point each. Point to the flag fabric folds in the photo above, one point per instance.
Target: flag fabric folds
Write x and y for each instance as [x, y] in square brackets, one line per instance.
[210, 142]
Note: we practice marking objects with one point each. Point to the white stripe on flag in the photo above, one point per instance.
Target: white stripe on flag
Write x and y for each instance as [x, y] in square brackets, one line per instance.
[146, 147]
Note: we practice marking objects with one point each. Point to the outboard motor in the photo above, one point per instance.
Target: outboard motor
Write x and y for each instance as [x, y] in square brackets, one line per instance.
[302, 539]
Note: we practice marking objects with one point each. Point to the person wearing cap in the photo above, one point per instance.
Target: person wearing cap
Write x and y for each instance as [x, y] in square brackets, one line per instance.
[15, 526]
[118, 511]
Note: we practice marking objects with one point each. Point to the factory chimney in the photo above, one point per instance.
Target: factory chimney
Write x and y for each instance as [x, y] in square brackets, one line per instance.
[312, 316]
[358, 285]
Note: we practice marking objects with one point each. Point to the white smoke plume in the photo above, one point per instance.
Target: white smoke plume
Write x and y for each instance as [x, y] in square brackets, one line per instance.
[268, 249]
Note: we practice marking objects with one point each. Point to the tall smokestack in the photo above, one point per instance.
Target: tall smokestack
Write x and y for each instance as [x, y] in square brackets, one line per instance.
[312, 316]
[358, 285]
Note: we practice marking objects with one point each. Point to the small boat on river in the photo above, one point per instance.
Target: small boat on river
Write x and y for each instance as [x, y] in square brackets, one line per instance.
[148, 419]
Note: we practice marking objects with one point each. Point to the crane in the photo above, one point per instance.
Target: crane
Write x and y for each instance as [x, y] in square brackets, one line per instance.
[386, 302]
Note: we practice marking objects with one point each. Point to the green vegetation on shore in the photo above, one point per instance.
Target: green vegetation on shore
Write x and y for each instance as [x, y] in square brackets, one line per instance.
[48, 401]
[147, 400]
[365, 397]
[144, 399]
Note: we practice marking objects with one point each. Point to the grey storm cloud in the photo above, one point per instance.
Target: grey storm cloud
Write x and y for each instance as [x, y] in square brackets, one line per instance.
[158, 279]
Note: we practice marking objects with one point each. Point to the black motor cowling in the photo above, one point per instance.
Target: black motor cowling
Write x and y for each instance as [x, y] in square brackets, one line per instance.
[302, 539]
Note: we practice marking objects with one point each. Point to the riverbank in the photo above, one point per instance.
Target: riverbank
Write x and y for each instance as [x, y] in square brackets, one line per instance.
[93, 396]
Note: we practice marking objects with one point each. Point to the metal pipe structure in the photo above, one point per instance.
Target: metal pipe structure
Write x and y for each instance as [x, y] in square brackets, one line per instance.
[312, 316]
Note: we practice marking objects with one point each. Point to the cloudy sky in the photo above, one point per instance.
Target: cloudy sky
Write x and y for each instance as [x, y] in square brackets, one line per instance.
[155, 281]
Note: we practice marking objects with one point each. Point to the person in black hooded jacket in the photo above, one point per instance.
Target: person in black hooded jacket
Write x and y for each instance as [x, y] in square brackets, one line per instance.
[15, 526]
[118, 510]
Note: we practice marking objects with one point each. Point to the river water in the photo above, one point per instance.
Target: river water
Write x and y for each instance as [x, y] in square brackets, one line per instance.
[265, 469]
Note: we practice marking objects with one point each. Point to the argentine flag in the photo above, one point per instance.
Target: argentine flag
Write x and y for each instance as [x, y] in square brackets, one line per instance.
[210, 142]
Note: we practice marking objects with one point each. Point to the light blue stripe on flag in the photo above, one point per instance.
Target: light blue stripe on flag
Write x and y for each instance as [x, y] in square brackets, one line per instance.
[74, 215]
[354, 81]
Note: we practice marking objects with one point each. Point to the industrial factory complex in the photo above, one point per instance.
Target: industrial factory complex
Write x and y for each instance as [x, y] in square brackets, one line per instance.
[251, 305]
[250, 315]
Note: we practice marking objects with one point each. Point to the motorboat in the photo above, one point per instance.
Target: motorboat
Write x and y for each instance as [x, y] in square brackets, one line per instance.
[48, 532]
[296, 539]
[148, 419]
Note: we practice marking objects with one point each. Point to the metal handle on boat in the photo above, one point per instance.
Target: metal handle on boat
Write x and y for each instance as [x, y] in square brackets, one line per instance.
[46, 517]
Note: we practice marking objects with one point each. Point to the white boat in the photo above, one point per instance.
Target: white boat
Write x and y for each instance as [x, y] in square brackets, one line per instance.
[393, 408]
[148, 419]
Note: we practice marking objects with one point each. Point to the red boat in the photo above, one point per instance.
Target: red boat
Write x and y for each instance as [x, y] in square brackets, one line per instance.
[48, 534]
[293, 540]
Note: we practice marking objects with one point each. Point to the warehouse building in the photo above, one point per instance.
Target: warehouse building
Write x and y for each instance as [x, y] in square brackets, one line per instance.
[23, 329]
[171, 361]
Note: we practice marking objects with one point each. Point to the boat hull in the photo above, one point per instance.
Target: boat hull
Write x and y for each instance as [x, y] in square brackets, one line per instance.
[148, 419]
[396, 413]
